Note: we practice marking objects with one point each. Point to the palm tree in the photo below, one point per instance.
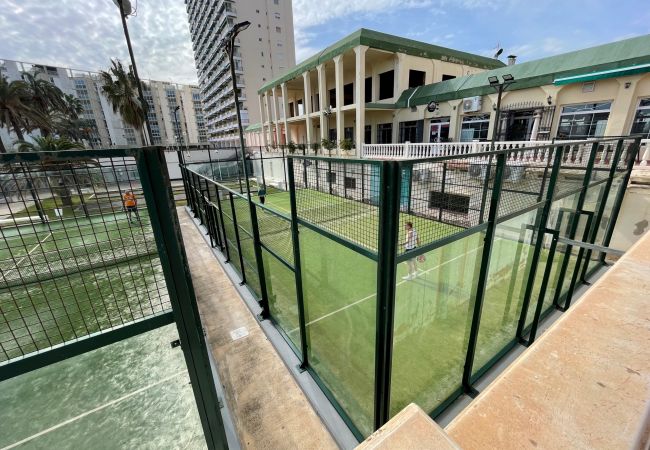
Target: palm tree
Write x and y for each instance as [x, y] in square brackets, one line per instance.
[121, 90]
[61, 174]
[16, 111]
[46, 98]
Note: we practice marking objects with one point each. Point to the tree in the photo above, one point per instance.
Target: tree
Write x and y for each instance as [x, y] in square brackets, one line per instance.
[61, 175]
[16, 111]
[46, 98]
[121, 90]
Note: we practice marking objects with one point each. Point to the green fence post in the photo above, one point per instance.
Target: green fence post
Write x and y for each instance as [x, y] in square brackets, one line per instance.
[223, 226]
[603, 204]
[631, 157]
[257, 244]
[166, 228]
[236, 228]
[386, 286]
[573, 228]
[542, 289]
[486, 188]
[539, 241]
[297, 267]
[483, 274]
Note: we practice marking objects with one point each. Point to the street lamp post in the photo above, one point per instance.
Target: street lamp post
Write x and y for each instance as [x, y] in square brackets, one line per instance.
[125, 10]
[500, 87]
[230, 47]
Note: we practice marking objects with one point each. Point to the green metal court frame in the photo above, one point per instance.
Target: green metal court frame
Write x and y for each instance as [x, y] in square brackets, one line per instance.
[147, 166]
[471, 196]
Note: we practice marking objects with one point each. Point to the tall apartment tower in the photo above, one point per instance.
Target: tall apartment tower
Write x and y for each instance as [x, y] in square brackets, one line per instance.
[108, 129]
[262, 52]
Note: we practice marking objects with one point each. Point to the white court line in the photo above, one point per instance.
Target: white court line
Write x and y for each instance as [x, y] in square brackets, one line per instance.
[99, 408]
[29, 253]
[373, 295]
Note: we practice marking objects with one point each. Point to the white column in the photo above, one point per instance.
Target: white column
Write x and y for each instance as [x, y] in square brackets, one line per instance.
[323, 100]
[276, 117]
[338, 75]
[454, 122]
[536, 120]
[263, 120]
[307, 82]
[360, 96]
[268, 114]
[285, 107]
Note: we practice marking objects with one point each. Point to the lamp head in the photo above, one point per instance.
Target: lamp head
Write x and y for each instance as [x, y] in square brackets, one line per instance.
[241, 26]
[508, 78]
[493, 80]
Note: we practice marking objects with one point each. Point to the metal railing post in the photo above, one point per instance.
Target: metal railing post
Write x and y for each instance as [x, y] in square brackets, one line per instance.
[573, 228]
[166, 228]
[539, 241]
[386, 287]
[481, 285]
[237, 239]
[264, 300]
[603, 204]
[298, 268]
[631, 156]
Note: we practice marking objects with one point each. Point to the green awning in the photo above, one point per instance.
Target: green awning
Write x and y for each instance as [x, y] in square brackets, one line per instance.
[620, 72]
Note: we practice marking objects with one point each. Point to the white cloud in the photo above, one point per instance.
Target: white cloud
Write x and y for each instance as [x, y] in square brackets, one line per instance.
[86, 35]
[307, 14]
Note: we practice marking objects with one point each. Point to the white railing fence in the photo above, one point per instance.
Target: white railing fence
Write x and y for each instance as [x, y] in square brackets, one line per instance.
[410, 150]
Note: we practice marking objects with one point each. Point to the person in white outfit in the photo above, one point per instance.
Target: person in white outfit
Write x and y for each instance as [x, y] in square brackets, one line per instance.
[410, 244]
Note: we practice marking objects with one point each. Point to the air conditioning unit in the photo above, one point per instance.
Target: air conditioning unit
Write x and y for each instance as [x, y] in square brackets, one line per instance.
[472, 104]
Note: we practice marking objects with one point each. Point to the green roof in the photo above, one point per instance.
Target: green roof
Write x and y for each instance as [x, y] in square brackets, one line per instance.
[615, 55]
[387, 42]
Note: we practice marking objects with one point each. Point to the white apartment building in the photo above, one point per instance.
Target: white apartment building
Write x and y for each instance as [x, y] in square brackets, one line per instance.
[109, 129]
[262, 52]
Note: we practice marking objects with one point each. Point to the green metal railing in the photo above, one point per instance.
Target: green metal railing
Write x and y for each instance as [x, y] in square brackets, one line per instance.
[80, 268]
[503, 239]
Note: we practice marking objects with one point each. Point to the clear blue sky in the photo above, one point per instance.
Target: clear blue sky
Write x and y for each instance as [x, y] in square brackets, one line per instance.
[528, 29]
[86, 34]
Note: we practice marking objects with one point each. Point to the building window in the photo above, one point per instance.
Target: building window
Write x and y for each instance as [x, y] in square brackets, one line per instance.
[384, 133]
[331, 177]
[446, 77]
[332, 98]
[348, 133]
[583, 121]
[416, 78]
[439, 130]
[276, 2]
[348, 94]
[279, 44]
[411, 131]
[277, 15]
[368, 89]
[367, 134]
[386, 84]
[278, 30]
[350, 183]
[475, 128]
[641, 124]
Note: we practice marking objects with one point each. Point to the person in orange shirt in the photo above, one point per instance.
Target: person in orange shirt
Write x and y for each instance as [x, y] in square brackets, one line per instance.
[131, 205]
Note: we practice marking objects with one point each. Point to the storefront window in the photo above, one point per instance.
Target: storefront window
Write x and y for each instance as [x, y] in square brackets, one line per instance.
[583, 121]
[384, 133]
[641, 122]
[475, 128]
